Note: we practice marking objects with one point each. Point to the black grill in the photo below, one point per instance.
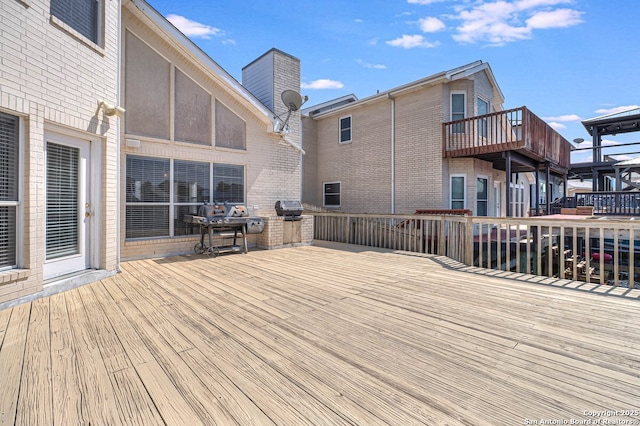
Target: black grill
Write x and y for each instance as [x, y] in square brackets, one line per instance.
[291, 209]
[226, 221]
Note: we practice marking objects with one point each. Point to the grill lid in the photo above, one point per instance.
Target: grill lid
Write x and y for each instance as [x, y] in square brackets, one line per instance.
[289, 208]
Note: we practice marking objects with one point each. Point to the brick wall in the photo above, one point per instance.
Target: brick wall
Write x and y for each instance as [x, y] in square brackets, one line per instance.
[52, 78]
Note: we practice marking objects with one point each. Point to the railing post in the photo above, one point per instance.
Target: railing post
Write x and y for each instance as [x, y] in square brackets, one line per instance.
[441, 241]
[469, 241]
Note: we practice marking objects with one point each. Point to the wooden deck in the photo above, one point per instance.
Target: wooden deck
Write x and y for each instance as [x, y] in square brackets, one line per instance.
[320, 335]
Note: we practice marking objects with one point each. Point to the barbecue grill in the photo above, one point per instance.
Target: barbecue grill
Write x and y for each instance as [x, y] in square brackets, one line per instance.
[226, 221]
[291, 209]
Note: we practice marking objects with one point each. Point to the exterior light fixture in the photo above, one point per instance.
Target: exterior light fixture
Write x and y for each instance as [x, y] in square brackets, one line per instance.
[110, 110]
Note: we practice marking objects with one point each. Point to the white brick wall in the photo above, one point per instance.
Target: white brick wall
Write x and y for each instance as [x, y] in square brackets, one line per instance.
[272, 166]
[53, 80]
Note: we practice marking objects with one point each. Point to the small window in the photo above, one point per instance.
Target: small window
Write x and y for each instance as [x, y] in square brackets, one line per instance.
[457, 192]
[332, 194]
[345, 129]
[9, 188]
[483, 109]
[80, 15]
[458, 111]
[482, 201]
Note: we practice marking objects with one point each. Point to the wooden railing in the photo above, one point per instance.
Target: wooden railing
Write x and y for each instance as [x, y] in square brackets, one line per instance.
[587, 250]
[510, 130]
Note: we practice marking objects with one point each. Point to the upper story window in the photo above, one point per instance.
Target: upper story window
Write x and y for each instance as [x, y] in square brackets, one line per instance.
[9, 188]
[231, 130]
[192, 111]
[146, 87]
[83, 16]
[483, 109]
[345, 129]
[458, 111]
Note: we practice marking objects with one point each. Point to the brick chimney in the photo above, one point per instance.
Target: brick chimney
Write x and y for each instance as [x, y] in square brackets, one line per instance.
[267, 77]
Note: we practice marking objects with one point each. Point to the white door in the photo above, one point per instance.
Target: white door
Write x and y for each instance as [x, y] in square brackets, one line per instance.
[496, 197]
[68, 207]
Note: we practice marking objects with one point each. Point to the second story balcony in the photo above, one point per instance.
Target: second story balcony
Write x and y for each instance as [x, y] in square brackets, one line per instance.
[489, 136]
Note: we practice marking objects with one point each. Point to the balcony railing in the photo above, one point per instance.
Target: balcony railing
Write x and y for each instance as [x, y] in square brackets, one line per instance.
[589, 250]
[512, 130]
[620, 203]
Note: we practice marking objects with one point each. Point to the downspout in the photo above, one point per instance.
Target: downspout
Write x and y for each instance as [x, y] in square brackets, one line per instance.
[118, 138]
[393, 152]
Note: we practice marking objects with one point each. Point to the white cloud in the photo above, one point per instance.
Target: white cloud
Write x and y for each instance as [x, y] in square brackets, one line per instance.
[559, 18]
[556, 125]
[372, 42]
[322, 83]
[229, 41]
[431, 24]
[564, 118]
[411, 41]
[192, 28]
[616, 109]
[501, 21]
[372, 66]
[423, 2]
[358, 21]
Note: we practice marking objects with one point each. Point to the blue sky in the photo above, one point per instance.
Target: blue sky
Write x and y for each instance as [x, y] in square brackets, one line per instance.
[566, 60]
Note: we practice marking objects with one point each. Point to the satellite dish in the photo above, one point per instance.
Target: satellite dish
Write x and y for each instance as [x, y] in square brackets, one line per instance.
[292, 100]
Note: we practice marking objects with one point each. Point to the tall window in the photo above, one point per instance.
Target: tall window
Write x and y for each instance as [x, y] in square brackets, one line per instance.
[331, 194]
[345, 129]
[457, 111]
[9, 180]
[483, 109]
[192, 188]
[457, 192]
[159, 192]
[81, 15]
[148, 185]
[482, 198]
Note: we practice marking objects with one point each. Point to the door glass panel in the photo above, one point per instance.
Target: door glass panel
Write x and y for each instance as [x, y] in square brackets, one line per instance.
[62, 233]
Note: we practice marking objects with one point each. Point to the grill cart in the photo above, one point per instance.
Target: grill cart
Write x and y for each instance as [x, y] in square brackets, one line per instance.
[226, 222]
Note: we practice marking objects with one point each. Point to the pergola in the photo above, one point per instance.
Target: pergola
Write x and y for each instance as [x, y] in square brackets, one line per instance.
[604, 165]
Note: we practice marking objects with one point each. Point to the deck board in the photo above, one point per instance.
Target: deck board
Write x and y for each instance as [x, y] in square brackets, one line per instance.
[329, 334]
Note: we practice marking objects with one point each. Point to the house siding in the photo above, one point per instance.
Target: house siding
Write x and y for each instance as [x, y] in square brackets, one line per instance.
[53, 80]
[363, 166]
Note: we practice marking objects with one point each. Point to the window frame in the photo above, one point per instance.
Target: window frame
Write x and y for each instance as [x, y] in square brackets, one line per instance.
[98, 44]
[324, 194]
[341, 129]
[459, 129]
[483, 129]
[19, 231]
[485, 200]
[464, 189]
[172, 204]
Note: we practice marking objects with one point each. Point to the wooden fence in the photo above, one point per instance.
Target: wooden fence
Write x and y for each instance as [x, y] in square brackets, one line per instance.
[600, 251]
